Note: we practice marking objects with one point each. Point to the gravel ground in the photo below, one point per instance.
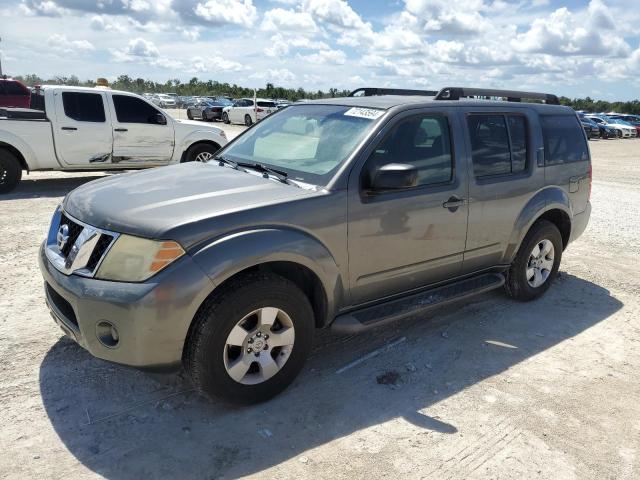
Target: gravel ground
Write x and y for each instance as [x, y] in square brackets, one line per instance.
[487, 389]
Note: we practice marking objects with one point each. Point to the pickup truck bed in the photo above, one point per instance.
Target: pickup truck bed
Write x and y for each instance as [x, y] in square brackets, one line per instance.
[22, 114]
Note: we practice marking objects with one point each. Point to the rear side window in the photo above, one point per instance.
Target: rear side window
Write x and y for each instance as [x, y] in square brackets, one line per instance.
[498, 143]
[134, 110]
[83, 107]
[564, 140]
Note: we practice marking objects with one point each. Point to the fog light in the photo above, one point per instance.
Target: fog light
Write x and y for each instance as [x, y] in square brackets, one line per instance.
[107, 334]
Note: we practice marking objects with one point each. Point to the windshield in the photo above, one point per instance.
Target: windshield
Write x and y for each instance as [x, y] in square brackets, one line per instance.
[308, 142]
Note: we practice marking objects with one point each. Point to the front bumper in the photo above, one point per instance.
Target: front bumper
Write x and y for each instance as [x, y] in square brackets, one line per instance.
[152, 318]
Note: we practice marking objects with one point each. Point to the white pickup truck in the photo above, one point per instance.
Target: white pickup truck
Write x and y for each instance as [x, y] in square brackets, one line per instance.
[97, 129]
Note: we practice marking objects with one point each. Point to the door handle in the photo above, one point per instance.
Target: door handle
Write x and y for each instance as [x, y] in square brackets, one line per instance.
[120, 130]
[69, 128]
[453, 203]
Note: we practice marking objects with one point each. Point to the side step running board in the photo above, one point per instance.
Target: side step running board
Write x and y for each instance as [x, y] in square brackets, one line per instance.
[374, 316]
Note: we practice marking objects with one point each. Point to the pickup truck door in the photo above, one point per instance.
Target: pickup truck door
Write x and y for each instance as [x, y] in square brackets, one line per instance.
[82, 128]
[142, 134]
[408, 238]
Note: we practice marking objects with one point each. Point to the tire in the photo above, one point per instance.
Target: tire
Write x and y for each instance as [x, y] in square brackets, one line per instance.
[189, 116]
[10, 171]
[225, 118]
[247, 120]
[198, 152]
[619, 133]
[206, 357]
[518, 284]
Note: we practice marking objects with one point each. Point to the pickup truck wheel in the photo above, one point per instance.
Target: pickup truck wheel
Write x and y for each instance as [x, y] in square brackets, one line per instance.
[247, 120]
[10, 171]
[225, 118]
[250, 340]
[202, 152]
[537, 262]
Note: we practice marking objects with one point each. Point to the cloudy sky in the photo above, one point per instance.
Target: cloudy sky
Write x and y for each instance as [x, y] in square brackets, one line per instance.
[574, 48]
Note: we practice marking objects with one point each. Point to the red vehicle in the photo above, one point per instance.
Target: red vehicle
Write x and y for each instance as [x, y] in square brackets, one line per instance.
[14, 93]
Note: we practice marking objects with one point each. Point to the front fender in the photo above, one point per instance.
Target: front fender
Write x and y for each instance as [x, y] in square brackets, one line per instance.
[550, 198]
[197, 136]
[234, 253]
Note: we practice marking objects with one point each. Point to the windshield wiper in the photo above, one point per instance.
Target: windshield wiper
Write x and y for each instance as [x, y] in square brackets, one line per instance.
[221, 159]
[282, 176]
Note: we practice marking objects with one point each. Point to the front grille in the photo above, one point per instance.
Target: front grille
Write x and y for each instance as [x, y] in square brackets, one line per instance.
[74, 233]
[60, 304]
[99, 251]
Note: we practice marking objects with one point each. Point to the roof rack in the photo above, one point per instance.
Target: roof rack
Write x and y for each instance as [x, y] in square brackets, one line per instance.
[371, 92]
[455, 93]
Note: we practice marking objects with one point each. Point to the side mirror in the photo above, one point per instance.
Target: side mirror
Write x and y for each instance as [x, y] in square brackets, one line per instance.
[394, 176]
[161, 119]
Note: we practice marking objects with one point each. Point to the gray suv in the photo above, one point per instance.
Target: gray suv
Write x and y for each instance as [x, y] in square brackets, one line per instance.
[345, 213]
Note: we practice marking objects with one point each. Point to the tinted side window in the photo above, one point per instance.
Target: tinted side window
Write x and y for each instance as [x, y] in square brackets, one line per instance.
[422, 141]
[133, 110]
[489, 145]
[518, 135]
[266, 104]
[564, 140]
[14, 88]
[83, 107]
[498, 143]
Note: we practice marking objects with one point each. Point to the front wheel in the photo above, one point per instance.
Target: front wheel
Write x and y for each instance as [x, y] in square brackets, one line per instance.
[189, 116]
[249, 341]
[225, 118]
[537, 262]
[202, 152]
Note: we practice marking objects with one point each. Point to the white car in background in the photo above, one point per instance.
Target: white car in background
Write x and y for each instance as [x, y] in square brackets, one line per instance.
[246, 111]
[166, 101]
[624, 129]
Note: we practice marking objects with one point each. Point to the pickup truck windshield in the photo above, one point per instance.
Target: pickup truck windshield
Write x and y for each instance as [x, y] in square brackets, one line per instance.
[309, 142]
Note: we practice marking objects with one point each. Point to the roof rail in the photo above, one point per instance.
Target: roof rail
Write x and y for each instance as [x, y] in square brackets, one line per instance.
[371, 92]
[455, 93]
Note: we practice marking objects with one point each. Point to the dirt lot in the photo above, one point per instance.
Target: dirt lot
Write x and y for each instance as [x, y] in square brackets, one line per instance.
[488, 389]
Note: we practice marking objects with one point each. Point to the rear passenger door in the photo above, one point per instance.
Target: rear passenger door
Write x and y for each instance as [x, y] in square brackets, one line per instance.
[408, 238]
[82, 130]
[502, 177]
[566, 156]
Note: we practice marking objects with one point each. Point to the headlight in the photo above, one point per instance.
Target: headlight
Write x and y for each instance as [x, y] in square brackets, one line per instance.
[135, 259]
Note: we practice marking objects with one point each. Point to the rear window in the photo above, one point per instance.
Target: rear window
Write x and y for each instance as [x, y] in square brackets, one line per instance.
[83, 107]
[498, 143]
[564, 140]
[266, 104]
[13, 88]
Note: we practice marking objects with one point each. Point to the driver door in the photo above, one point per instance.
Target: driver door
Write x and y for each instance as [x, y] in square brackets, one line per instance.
[138, 136]
[407, 238]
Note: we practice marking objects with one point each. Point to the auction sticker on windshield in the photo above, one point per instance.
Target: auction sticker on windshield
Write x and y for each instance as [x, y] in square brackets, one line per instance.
[371, 113]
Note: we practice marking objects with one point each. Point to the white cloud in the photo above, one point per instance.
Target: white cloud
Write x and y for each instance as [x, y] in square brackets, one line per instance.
[213, 64]
[335, 12]
[279, 19]
[337, 57]
[453, 17]
[220, 12]
[45, 8]
[61, 44]
[281, 45]
[278, 76]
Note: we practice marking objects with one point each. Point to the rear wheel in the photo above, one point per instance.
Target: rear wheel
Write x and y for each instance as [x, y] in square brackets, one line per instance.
[250, 340]
[189, 116]
[247, 120]
[537, 262]
[10, 171]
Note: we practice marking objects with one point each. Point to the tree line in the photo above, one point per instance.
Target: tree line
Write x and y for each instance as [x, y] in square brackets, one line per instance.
[197, 87]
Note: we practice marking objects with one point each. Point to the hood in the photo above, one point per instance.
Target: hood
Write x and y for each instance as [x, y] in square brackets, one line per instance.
[156, 203]
[193, 123]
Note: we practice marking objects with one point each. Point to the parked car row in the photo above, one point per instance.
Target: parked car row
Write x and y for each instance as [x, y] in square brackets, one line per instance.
[611, 125]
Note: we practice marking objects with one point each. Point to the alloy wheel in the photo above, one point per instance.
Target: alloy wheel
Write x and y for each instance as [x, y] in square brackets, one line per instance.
[540, 263]
[259, 345]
